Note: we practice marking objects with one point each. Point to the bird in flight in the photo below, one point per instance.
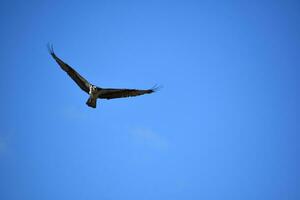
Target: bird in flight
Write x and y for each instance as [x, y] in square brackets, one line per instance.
[94, 91]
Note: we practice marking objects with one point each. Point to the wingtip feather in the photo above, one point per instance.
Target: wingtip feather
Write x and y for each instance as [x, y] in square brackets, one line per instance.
[156, 88]
[50, 49]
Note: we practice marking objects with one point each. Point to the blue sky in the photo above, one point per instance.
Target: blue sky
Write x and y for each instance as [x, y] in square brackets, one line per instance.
[225, 125]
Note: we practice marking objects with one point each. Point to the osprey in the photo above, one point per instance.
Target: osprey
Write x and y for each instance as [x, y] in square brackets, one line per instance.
[94, 91]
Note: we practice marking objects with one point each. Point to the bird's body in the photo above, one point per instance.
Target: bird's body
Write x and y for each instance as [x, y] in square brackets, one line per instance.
[94, 91]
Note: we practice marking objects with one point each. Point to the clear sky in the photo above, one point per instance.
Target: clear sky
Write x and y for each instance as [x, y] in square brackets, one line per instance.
[225, 125]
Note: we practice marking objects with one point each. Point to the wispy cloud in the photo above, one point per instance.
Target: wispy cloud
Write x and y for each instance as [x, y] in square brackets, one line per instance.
[150, 138]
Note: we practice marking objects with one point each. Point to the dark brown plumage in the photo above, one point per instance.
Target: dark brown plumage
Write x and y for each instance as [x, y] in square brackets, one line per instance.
[94, 91]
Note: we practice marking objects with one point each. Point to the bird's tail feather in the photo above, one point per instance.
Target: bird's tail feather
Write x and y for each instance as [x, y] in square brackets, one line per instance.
[92, 102]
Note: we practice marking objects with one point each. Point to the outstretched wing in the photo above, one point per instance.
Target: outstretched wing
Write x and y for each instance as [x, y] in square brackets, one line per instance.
[122, 93]
[79, 80]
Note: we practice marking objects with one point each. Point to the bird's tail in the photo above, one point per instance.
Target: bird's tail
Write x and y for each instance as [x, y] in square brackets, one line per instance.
[92, 102]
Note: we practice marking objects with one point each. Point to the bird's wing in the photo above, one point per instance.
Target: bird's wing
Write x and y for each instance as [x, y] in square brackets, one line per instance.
[122, 93]
[80, 81]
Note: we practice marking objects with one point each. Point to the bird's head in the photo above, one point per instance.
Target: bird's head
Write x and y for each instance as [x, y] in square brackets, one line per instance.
[92, 89]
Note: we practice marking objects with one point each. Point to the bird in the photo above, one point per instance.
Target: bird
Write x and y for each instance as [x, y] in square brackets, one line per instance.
[94, 91]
